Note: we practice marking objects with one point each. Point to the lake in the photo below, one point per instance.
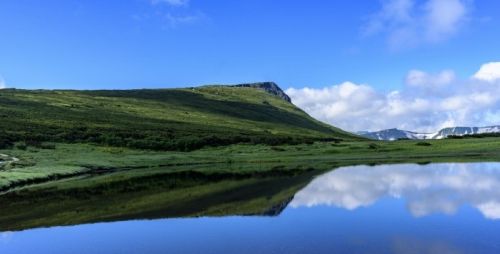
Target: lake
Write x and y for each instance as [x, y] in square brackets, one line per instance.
[408, 208]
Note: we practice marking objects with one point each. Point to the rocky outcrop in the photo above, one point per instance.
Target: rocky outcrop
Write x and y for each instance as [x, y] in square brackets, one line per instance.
[269, 87]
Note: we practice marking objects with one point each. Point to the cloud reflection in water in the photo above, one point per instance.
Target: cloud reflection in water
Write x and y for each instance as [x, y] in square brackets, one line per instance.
[427, 189]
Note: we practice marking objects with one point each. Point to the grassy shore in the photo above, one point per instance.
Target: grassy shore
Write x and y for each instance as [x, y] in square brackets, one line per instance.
[36, 165]
[82, 183]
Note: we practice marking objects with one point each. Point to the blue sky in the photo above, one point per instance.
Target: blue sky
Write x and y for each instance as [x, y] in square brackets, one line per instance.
[145, 43]
[318, 44]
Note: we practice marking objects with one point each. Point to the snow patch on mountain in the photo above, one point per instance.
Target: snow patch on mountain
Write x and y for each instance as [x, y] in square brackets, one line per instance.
[395, 134]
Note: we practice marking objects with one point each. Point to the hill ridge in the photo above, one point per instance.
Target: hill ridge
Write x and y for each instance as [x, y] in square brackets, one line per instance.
[269, 87]
[160, 119]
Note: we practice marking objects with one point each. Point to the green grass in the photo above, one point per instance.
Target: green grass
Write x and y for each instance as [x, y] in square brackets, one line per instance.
[161, 119]
[37, 165]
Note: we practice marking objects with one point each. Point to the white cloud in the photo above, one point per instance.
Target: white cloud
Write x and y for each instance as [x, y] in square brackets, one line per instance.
[443, 18]
[436, 188]
[423, 79]
[408, 23]
[172, 2]
[490, 209]
[175, 20]
[2, 83]
[489, 72]
[171, 15]
[428, 102]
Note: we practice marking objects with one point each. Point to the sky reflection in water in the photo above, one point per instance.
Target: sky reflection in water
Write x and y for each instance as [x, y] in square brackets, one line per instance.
[433, 188]
[402, 209]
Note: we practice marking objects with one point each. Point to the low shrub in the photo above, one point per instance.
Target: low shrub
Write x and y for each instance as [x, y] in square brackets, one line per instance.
[21, 146]
[423, 144]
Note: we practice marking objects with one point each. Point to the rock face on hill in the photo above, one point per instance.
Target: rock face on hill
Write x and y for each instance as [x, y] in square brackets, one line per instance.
[269, 87]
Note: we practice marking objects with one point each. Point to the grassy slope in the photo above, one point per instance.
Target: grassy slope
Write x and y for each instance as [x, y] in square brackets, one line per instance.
[163, 119]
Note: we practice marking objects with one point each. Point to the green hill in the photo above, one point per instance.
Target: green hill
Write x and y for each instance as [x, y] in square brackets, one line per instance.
[160, 119]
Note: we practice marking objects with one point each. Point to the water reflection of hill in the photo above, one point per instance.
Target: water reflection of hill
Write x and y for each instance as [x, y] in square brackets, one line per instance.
[168, 195]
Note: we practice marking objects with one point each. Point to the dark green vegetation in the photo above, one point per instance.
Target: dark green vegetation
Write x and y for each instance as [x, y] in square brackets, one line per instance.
[161, 119]
[69, 157]
[482, 135]
[422, 143]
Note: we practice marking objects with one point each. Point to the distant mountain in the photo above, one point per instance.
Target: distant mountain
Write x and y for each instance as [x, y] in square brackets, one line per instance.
[395, 134]
[460, 131]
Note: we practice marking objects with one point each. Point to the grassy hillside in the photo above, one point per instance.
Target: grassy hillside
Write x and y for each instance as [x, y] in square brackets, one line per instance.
[159, 119]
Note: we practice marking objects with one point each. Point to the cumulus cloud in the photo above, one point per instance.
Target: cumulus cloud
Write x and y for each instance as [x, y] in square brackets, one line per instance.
[436, 188]
[489, 72]
[427, 102]
[408, 23]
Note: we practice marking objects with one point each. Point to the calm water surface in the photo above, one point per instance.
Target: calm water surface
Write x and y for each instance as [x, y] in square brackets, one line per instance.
[435, 208]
